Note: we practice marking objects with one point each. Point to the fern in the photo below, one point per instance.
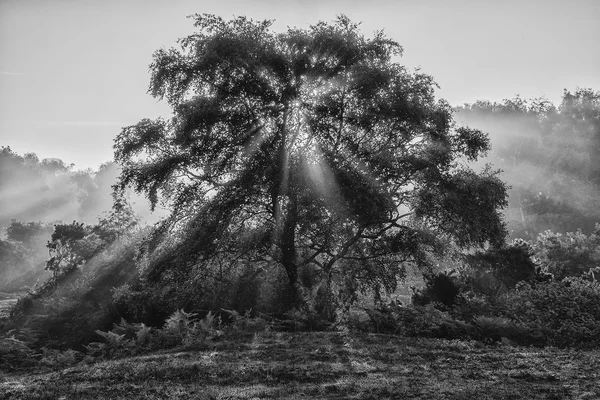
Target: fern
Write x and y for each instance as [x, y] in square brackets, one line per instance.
[116, 345]
[179, 320]
[143, 334]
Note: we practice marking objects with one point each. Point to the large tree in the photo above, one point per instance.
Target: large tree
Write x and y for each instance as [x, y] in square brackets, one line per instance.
[312, 149]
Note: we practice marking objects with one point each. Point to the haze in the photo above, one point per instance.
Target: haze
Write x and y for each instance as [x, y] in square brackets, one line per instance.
[72, 73]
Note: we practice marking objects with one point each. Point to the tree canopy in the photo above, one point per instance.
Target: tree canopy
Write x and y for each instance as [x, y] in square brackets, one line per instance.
[307, 150]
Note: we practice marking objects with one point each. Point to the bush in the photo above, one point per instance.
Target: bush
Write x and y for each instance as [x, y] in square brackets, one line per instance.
[15, 353]
[565, 313]
[439, 288]
[470, 305]
[430, 322]
[494, 329]
[418, 321]
[498, 270]
[570, 255]
[59, 359]
[15, 349]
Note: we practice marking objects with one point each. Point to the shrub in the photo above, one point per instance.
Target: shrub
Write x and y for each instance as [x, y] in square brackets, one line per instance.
[498, 270]
[494, 329]
[71, 307]
[15, 349]
[470, 305]
[570, 255]
[15, 353]
[246, 323]
[419, 321]
[428, 321]
[59, 359]
[565, 313]
[439, 288]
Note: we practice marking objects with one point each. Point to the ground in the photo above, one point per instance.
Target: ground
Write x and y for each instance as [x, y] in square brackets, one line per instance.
[330, 365]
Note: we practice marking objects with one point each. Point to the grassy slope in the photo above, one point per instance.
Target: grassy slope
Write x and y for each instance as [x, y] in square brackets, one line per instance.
[327, 366]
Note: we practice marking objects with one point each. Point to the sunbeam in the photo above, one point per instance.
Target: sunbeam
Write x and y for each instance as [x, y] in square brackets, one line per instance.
[322, 180]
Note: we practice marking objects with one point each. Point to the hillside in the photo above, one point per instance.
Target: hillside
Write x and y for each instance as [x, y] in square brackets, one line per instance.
[324, 366]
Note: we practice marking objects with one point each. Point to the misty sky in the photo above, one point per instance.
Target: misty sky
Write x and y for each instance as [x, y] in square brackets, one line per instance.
[73, 72]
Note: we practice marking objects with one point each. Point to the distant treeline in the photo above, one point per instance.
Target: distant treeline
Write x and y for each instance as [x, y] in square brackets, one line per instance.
[550, 156]
[35, 195]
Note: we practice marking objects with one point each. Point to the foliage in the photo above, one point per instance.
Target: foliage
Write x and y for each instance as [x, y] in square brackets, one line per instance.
[14, 353]
[495, 329]
[12, 257]
[180, 329]
[30, 234]
[439, 287]
[312, 149]
[417, 321]
[71, 245]
[49, 190]
[69, 308]
[117, 222]
[497, 270]
[301, 320]
[21, 254]
[565, 313]
[558, 147]
[246, 323]
[68, 249]
[428, 321]
[54, 358]
[36, 200]
[473, 288]
[15, 349]
[571, 255]
[237, 288]
[470, 305]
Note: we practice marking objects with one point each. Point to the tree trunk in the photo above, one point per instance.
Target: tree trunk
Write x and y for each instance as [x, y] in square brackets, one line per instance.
[288, 251]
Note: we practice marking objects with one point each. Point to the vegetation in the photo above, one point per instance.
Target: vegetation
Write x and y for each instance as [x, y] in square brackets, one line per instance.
[558, 147]
[36, 195]
[20, 255]
[310, 155]
[306, 174]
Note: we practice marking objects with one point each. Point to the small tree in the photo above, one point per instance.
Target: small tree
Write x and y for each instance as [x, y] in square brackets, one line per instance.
[67, 248]
[306, 150]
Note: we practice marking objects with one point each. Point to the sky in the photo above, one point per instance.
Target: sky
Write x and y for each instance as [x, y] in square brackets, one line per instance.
[74, 72]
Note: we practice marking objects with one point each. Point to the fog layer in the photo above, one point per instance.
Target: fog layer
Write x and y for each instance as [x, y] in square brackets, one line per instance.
[550, 155]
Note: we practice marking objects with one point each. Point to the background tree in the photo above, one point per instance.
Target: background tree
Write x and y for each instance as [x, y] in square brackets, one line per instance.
[13, 259]
[311, 151]
[22, 187]
[550, 159]
[31, 234]
[23, 254]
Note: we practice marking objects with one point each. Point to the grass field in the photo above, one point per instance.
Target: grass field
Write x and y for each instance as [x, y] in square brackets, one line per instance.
[324, 366]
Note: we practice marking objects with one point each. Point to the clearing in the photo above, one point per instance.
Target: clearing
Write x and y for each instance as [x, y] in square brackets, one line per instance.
[323, 365]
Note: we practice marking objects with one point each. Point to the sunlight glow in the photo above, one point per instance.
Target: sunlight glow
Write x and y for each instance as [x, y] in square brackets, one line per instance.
[322, 178]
